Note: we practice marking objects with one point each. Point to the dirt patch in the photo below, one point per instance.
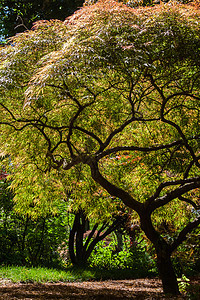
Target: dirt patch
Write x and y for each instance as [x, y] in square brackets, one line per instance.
[99, 290]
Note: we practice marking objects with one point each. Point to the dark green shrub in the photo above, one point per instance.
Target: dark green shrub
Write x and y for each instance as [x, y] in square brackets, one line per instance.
[133, 258]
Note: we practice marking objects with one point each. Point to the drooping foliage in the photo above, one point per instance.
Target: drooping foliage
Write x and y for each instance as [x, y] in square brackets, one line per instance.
[18, 16]
[110, 97]
[136, 3]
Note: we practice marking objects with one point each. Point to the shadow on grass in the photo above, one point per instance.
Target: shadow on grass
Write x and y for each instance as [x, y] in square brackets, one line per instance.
[86, 273]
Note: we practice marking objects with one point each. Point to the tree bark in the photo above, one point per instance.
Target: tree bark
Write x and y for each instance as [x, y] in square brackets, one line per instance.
[166, 270]
[72, 240]
[76, 247]
[163, 251]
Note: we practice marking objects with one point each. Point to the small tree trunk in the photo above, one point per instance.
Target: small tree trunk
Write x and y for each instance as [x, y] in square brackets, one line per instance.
[79, 251]
[79, 240]
[72, 236]
[76, 247]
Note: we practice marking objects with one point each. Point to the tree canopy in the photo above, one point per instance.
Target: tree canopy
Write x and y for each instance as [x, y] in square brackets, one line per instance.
[18, 16]
[111, 93]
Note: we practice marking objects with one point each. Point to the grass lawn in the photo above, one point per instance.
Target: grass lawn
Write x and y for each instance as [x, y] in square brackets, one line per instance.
[41, 274]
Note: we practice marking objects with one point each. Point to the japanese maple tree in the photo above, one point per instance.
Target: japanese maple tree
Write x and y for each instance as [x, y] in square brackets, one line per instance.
[113, 93]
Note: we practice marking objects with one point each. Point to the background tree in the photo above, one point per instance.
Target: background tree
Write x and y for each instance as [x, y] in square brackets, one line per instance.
[25, 241]
[114, 90]
[84, 238]
[18, 16]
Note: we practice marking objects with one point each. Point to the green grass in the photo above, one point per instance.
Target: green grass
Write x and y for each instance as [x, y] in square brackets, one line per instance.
[70, 274]
[41, 275]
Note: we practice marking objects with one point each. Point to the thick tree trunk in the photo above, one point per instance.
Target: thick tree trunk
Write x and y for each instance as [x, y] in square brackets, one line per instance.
[166, 271]
[163, 251]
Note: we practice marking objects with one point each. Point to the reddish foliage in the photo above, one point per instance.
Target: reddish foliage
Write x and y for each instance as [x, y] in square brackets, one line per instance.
[3, 175]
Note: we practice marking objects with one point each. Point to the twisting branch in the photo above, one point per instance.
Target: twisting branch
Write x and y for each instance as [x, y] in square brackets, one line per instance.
[29, 122]
[130, 98]
[112, 189]
[184, 93]
[66, 90]
[19, 18]
[71, 129]
[172, 152]
[74, 118]
[75, 161]
[45, 136]
[169, 183]
[116, 131]
[184, 139]
[165, 99]
[179, 191]
[189, 201]
[191, 164]
[103, 227]
[90, 236]
[137, 148]
[99, 237]
[94, 136]
[10, 113]
[56, 163]
[183, 234]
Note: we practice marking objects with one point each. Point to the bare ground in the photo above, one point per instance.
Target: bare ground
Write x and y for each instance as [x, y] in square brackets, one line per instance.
[90, 290]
